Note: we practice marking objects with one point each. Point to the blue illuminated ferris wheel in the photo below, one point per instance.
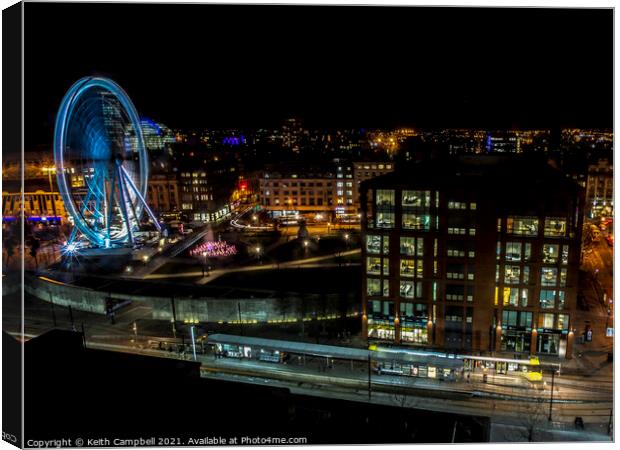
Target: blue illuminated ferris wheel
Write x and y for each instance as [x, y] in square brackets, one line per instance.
[101, 163]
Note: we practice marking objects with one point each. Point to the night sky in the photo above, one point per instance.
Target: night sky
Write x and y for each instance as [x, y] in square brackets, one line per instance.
[207, 66]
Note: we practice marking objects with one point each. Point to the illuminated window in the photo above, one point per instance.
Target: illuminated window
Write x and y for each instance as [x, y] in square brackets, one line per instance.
[411, 246]
[512, 274]
[545, 321]
[550, 253]
[524, 226]
[385, 198]
[416, 198]
[547, 299]
[406, 289]
[555, 227]
[513, 251]
[563, 321]
[416, 222]
[373, 266]
[549, 276]
[385, 220]
[373, 286]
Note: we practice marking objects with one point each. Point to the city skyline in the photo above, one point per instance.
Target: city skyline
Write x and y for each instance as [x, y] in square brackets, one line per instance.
[391, 67]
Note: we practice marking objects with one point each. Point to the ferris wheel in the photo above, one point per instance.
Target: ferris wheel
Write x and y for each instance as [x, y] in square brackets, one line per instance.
[101, 163]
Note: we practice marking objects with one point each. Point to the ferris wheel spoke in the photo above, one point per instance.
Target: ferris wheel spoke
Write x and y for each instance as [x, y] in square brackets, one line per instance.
[140, 197]
[123, 204]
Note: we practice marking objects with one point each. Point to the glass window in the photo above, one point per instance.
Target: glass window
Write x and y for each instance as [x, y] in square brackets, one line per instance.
[411, 246]
[528, 251]
[512, 274]
[420, 246]
[524, 226]
[545, 321]
[526, 274]
[386, 288]
[385, 219]
[385, 198]
[511, 296]
[525, 319]
[547, 299]
[406, 289]
[373, 243]
[561, 295]
[555, 227]
[563, 321]
[417, 198]
[373, 286]
[416, 221]
[549, 276]
[373, 266]
[513, 251]
[565, 254]
[550, 253]
[563, 273]
[509, 318]
[407, 267]
[498, 251]
[407, 246]
[524, 297]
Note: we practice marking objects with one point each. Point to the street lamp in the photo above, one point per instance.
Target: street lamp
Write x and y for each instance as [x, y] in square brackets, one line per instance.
[257, 250]
[204, 264]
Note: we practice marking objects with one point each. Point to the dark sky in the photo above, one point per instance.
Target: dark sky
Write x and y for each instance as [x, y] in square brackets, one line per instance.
[251, 66]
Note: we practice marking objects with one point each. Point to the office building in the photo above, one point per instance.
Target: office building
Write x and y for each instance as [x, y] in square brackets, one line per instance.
[475, 254]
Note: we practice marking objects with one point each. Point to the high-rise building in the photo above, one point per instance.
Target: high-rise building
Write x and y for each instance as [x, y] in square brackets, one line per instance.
[600, 189]
[476, 254]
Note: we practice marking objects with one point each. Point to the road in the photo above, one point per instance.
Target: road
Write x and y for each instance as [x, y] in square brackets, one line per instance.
[507, 399]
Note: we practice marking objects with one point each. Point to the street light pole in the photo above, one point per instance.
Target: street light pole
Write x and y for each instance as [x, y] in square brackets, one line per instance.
[552, 387]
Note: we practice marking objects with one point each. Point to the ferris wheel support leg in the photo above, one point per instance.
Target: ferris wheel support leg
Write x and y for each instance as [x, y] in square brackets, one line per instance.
[123, 203]
[137, 192]
[72, 235]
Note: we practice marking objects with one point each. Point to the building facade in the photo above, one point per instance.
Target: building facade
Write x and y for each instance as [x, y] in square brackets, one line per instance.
[163, 194]
[600, 190]
[38, 206]
[456, 256]
[332, 191]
